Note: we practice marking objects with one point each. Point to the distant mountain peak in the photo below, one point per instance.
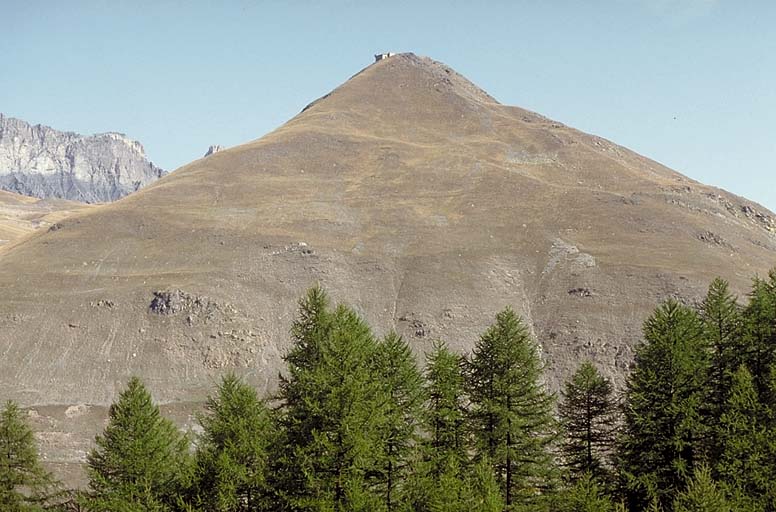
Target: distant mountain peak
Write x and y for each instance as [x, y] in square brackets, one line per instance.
[408, 85]
[39, 161]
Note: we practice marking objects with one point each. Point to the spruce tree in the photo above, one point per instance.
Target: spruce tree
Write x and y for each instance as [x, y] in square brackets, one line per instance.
[333, 406]
[588, 414]
[512, 412]
[702, 495]
[233, 450]
[141, 461]
[403, 384]
[663, 431]
[24, 484]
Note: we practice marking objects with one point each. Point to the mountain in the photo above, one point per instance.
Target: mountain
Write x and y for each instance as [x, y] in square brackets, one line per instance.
[407, 192]
[21, 215]
[42, 162]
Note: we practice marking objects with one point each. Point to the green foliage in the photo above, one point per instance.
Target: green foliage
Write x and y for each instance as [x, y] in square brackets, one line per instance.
[722, 327]
[760, 334]
[233, 451]
[403, 384]
[485, 488]
[333, 409]
[140, 461]
[445, 414]
[24, 484]
[702, 495]
[588, 414]
[747, 464]
[445, 487]
[512, 412]
[359, 428]
[587, 495]
[440, 480]
[664, 394]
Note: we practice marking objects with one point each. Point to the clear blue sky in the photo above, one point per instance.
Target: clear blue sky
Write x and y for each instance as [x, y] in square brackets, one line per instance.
[690, 83]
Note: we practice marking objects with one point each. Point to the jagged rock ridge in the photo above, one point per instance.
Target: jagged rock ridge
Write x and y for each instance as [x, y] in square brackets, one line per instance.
[39, 161]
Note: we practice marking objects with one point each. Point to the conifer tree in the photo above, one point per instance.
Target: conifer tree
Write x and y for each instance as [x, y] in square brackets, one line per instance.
[403, 385]
[445, 416]
[485, 488]
[441, 479]
[448, 494]
[512, 412]
[702, 494]
[310, 328]
[445, 489]
[332, 407]
[747, 465]
[588, 414]
[663, 429]
[141, 461]
[233, 451]
[587, 495]
[760, 332]
[24, 484]
[722, 327]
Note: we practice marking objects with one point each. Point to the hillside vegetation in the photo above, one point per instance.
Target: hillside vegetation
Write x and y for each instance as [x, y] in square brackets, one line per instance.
[357, 426]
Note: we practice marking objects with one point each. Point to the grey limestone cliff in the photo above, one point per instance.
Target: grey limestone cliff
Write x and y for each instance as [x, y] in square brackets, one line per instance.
[39, 161]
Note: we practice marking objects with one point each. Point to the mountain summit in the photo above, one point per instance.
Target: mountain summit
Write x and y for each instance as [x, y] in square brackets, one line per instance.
[408, 192]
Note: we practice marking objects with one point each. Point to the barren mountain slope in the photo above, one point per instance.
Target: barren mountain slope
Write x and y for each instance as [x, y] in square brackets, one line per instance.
[21, 215]
[407, 192]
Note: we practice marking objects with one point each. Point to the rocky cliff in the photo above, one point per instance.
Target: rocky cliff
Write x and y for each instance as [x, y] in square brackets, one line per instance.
[38, 161]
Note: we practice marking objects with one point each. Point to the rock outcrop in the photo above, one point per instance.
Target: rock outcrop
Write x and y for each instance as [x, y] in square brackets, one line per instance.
[39, 161]
[215, 148]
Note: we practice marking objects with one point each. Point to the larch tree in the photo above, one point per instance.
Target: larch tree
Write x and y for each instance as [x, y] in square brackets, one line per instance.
[332, 409]
[441, 478]
[702, 494]
[760, 333]
[446, 411]
[24, 483]
[588, 415]
[722, 327]
[232, 458]
[141, 461]
[587, 494]
[511, 412]
[663, 429]
[747, 465]
[397, 371]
